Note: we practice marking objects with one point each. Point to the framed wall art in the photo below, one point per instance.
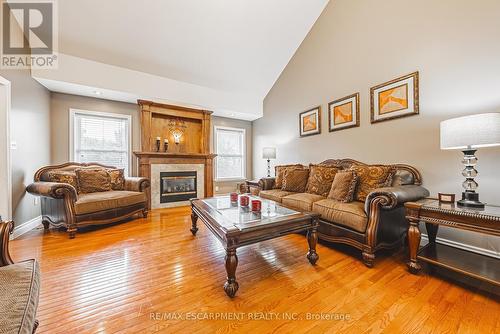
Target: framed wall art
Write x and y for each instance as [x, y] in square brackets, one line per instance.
[394, 99]
[343, 113]
[310, 122]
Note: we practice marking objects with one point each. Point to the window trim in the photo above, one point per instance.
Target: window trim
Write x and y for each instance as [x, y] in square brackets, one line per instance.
[72, 133]
[243, 154]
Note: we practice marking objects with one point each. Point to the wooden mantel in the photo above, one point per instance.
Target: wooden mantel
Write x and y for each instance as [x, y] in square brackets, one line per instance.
[194, 145]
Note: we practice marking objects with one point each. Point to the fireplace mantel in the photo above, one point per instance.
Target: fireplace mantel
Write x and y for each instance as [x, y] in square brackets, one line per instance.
[158, 122]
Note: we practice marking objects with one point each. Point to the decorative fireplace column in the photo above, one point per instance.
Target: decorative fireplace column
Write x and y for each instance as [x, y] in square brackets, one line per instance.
[173, 135]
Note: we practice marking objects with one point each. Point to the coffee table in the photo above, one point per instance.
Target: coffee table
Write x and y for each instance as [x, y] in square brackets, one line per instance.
[237, 226]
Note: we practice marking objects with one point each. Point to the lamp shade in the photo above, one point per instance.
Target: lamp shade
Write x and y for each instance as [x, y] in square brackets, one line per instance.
[472, 131]
[269, 153]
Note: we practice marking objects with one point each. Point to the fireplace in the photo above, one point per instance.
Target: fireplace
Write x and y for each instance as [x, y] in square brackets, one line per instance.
[177, 186]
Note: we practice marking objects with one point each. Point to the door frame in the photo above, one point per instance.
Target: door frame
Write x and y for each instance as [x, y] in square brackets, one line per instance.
[5, 158]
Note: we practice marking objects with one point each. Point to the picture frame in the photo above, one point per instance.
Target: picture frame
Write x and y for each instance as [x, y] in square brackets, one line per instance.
[310, 122]
[446, 198]
[343, 113]
[395, 99]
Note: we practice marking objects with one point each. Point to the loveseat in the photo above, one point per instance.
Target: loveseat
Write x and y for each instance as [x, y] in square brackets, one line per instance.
[67, 202]
[377, 222]
[19, 289]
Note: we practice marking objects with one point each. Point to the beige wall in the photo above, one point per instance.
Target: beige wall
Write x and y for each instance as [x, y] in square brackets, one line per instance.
[30, 130]
[62, 103]
[60, 107]
[356, 44]
[227, 187]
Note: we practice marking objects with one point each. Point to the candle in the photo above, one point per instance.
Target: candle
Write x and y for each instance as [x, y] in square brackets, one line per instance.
[166, 141]
[158, 138]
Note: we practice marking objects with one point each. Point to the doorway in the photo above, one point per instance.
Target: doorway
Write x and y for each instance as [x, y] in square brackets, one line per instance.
[5, 168]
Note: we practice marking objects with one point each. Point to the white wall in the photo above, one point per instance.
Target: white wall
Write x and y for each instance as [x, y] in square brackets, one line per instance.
[357, 44]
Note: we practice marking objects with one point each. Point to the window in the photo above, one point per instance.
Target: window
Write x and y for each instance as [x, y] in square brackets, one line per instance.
[100, 137]
[230, 150]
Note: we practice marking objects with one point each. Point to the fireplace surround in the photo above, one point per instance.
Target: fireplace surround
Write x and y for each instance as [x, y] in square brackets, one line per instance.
[177, 186]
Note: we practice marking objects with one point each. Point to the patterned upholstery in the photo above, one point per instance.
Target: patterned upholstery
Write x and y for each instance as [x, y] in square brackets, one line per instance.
[63, 176]
[274, 194]
[351, 215]
[372, 177]
[280, 173]
[295, 180]
[320, 179]
[301, 201]
[343, 186]
[101, 201]
[19, 292]
[91, 180]
[117, 178]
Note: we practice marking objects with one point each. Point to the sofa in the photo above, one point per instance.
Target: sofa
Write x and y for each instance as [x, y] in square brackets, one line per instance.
[376, 223]
[19, 289]
[67, 202]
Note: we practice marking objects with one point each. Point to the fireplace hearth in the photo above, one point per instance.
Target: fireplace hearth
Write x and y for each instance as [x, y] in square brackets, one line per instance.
[177, 186]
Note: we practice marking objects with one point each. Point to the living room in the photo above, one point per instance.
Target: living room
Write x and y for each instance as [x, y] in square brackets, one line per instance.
[250, 166]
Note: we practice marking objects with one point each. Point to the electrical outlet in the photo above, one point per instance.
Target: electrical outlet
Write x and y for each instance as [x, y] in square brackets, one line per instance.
[13, 145]
[36, 200]
[216, 188]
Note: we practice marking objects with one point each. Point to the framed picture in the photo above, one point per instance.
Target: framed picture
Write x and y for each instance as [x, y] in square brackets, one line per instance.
[310, 122]
[394, 99]
[343, 113]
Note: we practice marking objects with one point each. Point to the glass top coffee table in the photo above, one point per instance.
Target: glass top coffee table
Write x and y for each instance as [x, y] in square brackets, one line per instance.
[237, 226]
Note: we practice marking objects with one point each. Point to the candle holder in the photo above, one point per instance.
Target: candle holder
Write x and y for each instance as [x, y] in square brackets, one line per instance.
[165, 145]
[158, 140]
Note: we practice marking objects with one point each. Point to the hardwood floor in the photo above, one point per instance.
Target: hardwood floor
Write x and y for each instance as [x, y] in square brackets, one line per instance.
[130, 277]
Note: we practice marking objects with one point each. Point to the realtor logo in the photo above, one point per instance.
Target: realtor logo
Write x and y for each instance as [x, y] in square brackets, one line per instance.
[29, 34]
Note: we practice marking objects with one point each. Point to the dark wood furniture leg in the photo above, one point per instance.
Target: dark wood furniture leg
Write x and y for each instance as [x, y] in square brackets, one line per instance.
[231, 286]
[194, 219]
[312, 240]
[432, 230]
[413, 243]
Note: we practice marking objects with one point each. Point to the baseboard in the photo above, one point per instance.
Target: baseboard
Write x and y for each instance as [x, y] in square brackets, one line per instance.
[470, 248]
[26, 227]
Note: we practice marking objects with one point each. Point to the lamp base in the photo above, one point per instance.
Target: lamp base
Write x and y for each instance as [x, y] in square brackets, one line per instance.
[470, 199]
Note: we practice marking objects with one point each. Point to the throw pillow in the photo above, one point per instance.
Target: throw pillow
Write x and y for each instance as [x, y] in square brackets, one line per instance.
[295, 180]
[280, 173]
[117, 178]
[320, 179]
[91, 180]
[63, 176]
[372, 177]
[344, 186]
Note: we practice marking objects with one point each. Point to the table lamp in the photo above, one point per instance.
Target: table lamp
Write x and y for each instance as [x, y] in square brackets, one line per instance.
[467, 134]
[269, 153]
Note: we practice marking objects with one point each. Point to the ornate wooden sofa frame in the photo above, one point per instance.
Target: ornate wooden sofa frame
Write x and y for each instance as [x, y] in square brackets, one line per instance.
[384, 207]
[58, 200]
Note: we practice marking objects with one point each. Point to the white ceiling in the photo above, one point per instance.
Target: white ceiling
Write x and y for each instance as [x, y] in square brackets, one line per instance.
[227, 45]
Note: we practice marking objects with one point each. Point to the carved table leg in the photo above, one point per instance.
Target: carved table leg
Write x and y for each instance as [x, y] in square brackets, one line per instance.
[194, 219]
[231, 286]
[312, 240]
[432, 231]
[413, 243]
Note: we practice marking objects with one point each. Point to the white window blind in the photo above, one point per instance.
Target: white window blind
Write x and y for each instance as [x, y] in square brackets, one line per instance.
[102, 138]
[230, 150]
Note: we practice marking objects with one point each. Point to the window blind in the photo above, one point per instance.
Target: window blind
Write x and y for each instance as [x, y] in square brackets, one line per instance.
[230, 146]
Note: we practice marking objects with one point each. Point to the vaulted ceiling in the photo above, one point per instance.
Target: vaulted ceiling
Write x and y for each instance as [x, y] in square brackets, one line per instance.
[230, 46]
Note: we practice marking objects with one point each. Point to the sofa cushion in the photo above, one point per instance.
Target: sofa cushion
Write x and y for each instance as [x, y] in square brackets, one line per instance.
[117, 178]
[280, 173]
[295, 180]
[343, 186]
[274, 194]
[91, 180]
[62, 176]
[19, 293]
[301, 201]
[100, 201]
[320, 179]
[372, 177]
[351, 215]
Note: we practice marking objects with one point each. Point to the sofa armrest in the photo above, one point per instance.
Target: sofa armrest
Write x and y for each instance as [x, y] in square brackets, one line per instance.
[139, 184]
[6, 229]
[389, 197]
[53, 190]
[267, 183]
